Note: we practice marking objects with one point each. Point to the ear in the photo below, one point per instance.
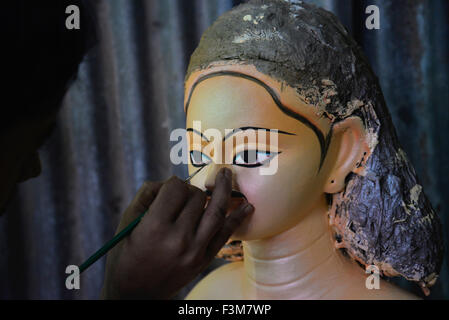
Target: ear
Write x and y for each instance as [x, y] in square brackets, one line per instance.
[347, 150]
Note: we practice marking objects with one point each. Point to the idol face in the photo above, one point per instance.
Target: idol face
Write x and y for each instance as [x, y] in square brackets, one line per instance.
[282, 199]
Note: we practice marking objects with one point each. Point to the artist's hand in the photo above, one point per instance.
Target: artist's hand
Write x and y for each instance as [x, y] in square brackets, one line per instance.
[175, 240]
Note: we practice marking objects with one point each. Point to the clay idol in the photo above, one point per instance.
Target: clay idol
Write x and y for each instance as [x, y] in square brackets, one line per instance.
[338, 197]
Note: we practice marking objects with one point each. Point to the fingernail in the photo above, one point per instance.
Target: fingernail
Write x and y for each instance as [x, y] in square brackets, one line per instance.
[248, 208]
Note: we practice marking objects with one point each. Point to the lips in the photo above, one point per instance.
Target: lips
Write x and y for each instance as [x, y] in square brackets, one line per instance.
[237, 198]
[234, 194]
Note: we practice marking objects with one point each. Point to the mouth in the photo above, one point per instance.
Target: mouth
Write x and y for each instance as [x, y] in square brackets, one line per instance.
[234, 194]
[237, 198]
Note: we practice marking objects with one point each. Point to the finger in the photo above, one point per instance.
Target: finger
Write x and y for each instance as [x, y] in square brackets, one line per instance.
[214, 216]
[233, 221]
[193, 210]
[141, 202]
[170, 200]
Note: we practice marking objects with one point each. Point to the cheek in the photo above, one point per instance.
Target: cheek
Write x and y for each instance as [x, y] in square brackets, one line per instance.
[282, 199]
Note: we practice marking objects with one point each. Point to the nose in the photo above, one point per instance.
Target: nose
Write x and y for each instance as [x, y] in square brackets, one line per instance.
[212, 173]
[31, 168]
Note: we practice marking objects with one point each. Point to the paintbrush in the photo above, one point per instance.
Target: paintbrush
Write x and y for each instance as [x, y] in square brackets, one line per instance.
[117, 238]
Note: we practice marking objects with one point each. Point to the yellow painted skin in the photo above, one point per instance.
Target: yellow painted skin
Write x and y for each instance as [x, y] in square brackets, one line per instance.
[289, 252]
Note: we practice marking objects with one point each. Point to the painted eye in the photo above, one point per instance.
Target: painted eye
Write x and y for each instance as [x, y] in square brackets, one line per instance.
[253, 158]
[199, 159]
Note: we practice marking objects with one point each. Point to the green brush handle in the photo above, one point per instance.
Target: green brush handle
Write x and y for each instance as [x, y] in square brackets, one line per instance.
[110, 244]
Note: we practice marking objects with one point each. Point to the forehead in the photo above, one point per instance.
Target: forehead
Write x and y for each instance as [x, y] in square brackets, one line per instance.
[228, 102]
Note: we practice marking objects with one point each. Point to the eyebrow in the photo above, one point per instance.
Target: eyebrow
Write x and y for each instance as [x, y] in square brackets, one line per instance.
[234, 131]
[199, 133]
[324, 141]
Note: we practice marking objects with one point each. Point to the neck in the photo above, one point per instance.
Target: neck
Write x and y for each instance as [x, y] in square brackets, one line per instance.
[298, 263]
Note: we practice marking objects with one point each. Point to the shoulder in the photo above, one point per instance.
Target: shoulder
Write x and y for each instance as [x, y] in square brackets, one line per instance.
[222, 283]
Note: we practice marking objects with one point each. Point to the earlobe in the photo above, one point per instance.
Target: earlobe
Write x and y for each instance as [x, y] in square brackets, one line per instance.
[347, 149]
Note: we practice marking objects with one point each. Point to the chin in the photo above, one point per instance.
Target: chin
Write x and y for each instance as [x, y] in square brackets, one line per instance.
[250, 230]
[246, 230]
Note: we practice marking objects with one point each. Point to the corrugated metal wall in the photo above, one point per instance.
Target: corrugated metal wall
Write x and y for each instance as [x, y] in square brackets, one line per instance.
[113, 131]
